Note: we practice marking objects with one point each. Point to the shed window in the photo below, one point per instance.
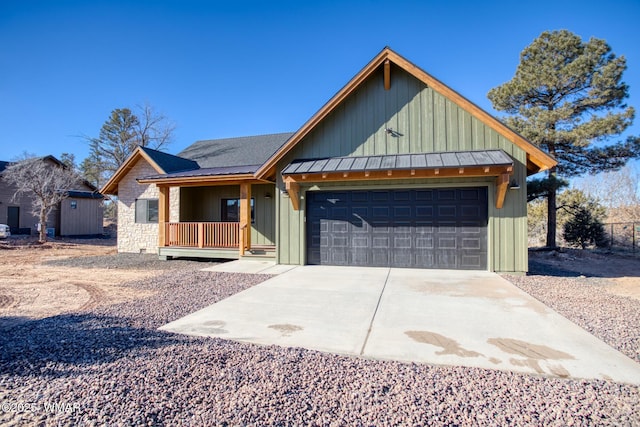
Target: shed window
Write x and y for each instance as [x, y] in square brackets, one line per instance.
[231, 210]
[74, 204]
[146, 211]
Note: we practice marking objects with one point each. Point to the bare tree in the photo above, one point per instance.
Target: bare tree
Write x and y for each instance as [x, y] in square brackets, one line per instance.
[119, 136]
[619, 191]
[154, 129]
[45, 181]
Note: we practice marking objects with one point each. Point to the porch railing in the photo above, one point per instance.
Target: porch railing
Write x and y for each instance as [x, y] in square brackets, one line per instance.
[202, 234]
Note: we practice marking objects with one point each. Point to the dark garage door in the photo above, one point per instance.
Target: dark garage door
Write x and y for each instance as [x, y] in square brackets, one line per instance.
[430, 228]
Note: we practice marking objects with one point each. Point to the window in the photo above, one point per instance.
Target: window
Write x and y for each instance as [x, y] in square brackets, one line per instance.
[231, 210]
[74, 204]
[146, 211]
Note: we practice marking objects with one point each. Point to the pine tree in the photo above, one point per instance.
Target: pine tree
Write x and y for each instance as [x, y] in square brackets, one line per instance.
[566, 95]
[119, 136]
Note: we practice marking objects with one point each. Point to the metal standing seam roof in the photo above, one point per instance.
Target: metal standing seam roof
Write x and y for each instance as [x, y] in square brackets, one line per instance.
[229, 170]
[400, 161]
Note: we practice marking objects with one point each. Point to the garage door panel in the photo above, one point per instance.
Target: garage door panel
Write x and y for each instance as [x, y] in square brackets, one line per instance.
[424, 243]
[470, 193]
[359, 197]
[401, 196]
[402, 243]
[380, 242]
[381, 212]
[445, 243]
[339, 227]
[471, 262]
[446, 194]
[424, 195]
[379, 196]
[447, 228]
[402, 259]
[447, 211]
[471, 244]
[361, 211]
[423, 211]
[425, 260]
[424, 228]
[467, 211]
[447, 259]
[379, 258]
[360, 242]
[402, 212]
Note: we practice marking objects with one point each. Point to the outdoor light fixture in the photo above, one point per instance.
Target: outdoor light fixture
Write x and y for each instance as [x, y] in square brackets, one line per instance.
[514, 186]
[393, 133]
[267, 195]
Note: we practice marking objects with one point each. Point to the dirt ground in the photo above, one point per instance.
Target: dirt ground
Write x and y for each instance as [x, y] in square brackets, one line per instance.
[30, 288]
[621, 271]
[36, 281]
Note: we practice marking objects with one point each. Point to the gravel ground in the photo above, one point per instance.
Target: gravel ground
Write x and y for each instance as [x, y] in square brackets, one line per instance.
[111, 366]
[129, 261]
[584, 300]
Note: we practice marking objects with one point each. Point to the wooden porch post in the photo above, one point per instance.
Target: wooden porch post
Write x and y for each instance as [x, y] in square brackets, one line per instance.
[163, 214]
[245, 217]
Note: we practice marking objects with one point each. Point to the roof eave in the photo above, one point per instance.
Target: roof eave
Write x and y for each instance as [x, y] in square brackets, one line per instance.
[200, 180]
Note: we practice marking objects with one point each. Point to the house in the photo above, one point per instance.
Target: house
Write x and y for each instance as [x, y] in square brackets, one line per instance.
[80, 214]
[396, 169]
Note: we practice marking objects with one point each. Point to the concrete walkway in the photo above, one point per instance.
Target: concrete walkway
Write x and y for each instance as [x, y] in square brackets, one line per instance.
[442, 317]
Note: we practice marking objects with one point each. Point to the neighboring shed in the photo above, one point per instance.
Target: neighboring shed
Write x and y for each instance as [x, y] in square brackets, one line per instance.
[81, 214]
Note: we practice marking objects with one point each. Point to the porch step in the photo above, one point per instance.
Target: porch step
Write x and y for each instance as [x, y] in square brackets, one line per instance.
[260, 253]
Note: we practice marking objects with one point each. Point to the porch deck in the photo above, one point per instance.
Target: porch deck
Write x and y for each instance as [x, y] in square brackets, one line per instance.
[213, 240]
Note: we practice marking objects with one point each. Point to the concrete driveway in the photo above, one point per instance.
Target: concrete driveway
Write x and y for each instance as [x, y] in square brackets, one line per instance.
[443, 317]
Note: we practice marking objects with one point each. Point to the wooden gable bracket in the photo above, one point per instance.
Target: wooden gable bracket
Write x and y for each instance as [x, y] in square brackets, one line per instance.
[293, 189]
[502, 184]
[387, 74]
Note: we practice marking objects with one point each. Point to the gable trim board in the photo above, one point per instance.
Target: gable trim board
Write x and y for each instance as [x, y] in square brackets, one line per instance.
[537, 160]
[326, 155]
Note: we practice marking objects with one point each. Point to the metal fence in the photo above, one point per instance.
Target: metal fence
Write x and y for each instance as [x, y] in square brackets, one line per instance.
[623, 236]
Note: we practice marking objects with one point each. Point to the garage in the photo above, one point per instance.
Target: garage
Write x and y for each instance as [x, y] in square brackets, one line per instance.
[439, 228]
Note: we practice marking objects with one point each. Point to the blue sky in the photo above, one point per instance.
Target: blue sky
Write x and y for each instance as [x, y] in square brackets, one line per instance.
[232, 68]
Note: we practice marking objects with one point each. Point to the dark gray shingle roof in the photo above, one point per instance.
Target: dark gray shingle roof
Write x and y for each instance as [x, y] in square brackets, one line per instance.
[400, 161]
[168, 162]
[248, 150]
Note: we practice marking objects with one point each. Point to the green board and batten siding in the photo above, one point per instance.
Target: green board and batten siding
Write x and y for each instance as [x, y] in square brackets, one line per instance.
[425, 122]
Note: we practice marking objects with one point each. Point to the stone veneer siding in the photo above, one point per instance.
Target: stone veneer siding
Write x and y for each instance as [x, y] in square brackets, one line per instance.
[133, 237]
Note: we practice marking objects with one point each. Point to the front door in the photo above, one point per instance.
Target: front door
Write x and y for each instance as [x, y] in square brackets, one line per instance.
[13, 219]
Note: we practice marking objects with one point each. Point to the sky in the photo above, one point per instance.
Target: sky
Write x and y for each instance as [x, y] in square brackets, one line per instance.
[222, 69]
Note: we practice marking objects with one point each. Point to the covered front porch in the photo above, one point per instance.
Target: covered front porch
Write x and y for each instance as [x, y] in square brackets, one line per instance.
[216, 220]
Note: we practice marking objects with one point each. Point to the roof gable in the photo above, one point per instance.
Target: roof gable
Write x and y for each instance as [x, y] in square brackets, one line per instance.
[537, 160]
[148, 155]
